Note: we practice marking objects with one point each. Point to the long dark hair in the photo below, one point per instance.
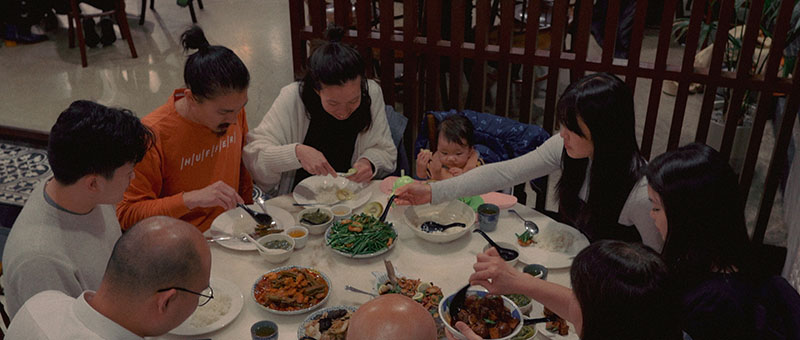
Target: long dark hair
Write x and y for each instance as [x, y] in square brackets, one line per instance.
[334, 63]
[618, 285]
[605, 104]
[706, 230]
[212, 70]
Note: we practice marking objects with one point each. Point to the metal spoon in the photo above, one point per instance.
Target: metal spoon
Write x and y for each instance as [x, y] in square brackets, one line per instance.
[505, 253]
[260, 218]
[356, 290]
[529, 225]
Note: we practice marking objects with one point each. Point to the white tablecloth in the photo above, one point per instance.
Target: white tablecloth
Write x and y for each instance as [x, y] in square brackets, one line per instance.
[446, 265]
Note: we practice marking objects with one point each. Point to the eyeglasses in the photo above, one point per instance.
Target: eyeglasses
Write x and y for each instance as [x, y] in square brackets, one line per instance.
[201, 302]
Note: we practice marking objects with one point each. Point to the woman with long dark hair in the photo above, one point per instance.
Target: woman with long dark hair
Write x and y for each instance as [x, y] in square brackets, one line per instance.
[620, 291]
[332, 120]
[698, 209]
[601, 191]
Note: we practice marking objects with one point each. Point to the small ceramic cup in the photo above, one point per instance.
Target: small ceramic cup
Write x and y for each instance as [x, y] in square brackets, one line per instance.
[488, 214]
[264, 330]
[536, 270]
[341, 212]
[299, 234]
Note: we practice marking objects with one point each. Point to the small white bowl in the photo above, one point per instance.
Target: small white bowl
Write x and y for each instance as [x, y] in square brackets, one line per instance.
[511, 262]
[299, 241]
[316, 229]
[341, 212]
[276, 255]
[526, 308]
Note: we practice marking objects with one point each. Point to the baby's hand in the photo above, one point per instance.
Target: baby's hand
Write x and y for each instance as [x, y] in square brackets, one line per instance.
[456, 171]
[423, 158]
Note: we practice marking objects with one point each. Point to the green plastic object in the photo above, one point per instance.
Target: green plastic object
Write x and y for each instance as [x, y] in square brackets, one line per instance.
[472, 201]
[183, 3]
[403, 180]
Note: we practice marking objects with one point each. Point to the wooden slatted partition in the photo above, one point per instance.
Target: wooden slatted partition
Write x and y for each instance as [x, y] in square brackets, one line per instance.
[413, 36]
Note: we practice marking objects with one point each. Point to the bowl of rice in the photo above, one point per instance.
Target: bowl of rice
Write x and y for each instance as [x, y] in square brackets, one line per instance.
[445, 213]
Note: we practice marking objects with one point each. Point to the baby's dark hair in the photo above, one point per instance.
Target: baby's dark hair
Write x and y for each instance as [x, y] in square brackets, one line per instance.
[458, 128]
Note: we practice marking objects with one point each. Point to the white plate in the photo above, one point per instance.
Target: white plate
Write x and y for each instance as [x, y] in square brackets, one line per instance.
[361, 256]
[571, 335]
[294, 312]
[553, 260]
[301, 331]
[221, 288]
[315, 184]
[223, 224]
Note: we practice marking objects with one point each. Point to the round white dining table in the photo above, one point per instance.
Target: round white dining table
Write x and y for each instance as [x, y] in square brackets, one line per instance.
[447, 265]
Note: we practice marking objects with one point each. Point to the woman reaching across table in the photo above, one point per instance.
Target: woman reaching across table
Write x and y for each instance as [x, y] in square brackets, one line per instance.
[332, 120]
[601, 191]
[620, 291]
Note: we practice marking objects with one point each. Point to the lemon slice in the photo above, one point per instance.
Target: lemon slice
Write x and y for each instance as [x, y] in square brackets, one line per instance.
[418, 296]
[373, 208]
[344, 194]
[422, 287]
[350, 172]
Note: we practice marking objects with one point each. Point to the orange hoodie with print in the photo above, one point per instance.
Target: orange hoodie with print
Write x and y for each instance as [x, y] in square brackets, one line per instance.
[186, 156]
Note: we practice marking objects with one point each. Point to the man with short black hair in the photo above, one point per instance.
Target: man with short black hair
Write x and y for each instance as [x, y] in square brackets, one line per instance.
[157, 275]
[67, 229]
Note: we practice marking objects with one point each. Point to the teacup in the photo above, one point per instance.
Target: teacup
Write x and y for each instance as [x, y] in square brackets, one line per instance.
[488, 214]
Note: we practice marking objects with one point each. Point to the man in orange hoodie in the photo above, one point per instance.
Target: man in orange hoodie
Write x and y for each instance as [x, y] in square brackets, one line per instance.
[194, 171]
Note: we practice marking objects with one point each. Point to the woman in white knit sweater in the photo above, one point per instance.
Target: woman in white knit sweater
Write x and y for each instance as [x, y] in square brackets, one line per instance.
[332, 120]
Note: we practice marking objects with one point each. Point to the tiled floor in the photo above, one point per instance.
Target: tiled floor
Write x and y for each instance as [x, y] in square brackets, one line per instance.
[39, 81]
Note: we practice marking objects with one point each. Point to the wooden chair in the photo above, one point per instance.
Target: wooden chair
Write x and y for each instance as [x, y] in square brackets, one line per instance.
[76, 17]
[152, 7]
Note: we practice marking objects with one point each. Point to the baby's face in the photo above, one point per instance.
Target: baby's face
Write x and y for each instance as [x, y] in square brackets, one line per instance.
[453, 155]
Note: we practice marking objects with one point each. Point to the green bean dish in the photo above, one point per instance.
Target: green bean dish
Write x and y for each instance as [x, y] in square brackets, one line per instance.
[361, 236]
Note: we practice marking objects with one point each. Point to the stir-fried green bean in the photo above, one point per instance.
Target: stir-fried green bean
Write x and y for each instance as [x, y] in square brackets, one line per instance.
[362, 234]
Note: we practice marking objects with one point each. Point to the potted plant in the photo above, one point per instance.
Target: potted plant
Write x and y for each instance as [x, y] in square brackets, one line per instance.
[733, 47]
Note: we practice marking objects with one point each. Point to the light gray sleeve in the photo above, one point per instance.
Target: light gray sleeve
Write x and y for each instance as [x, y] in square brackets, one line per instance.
[24, 326]
[270, 149]
[636, 212]
[376, 143]
[37, 274]
[496, 176]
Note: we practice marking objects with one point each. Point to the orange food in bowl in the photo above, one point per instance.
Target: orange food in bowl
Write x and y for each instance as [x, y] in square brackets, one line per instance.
[296, 233]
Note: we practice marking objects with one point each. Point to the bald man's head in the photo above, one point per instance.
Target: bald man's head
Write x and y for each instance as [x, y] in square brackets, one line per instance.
[391, 317]
[156, 253]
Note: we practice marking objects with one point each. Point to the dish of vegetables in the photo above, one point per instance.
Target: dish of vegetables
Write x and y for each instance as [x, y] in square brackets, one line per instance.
[291, 290]
[361, 236]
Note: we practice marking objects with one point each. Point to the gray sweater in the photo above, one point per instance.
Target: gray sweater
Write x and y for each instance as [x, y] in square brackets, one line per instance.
[52, 249]
[543, 161]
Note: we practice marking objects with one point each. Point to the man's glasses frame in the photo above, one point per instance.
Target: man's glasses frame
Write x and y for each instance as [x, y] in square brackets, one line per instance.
[203, 303]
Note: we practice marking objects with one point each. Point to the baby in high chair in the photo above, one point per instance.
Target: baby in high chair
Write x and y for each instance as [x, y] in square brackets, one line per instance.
[455, 152]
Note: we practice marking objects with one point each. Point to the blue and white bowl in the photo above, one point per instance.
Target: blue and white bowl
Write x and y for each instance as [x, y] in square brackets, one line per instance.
[444, 314]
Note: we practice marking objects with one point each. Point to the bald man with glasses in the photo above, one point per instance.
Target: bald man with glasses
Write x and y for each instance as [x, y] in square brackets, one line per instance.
[157, 276]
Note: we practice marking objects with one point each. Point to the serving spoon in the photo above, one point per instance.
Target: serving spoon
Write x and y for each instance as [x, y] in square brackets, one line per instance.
[530, 226]
[431, 226]
[457, 302]
[260, 218]
[386, 210]
[505, 253]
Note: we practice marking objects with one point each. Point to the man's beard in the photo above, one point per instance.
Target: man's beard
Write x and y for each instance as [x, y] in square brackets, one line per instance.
[222, 129]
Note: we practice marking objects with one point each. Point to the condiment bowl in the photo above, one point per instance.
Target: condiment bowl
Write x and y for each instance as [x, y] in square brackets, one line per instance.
[444, 314]
[341, 212]
[276, 255]
[299, 234]
[316, 229]
[270, 328]
[511, 262]
[444, 213]
[536, 270]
